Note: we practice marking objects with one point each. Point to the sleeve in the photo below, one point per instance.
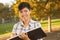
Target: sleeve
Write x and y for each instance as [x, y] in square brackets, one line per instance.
[14, 28]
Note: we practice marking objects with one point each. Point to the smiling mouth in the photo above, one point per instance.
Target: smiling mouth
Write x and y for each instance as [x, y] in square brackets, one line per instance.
[24, 16]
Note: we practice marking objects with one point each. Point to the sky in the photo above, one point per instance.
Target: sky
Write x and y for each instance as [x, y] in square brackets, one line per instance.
[7, 1]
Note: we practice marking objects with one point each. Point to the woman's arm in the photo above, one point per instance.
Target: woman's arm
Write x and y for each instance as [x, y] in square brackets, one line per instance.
[11, 36]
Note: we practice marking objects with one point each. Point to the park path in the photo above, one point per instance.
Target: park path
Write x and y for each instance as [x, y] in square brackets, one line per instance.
[53, 36]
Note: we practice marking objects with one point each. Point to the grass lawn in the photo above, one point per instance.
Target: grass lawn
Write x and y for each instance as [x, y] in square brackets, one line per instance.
[54, 23]
[7, 27]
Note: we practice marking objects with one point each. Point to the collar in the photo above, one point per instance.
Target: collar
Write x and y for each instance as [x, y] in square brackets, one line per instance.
[30, 22]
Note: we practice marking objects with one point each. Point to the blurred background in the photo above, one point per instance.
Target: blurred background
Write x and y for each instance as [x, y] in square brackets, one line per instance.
[47, 12]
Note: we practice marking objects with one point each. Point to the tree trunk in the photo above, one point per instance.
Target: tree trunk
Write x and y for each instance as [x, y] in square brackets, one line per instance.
[42, 19]
[49, 23]
[3, 20]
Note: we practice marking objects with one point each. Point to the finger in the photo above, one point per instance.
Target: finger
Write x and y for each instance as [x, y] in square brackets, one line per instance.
[20, 36]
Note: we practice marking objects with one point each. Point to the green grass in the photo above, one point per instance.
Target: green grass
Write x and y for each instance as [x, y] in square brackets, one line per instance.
[7, 27]
[54, 23]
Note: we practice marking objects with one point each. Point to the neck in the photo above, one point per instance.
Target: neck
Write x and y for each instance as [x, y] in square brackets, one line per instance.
[26, 22]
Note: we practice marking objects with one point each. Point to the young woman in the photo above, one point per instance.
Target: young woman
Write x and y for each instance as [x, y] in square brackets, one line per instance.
[26, 23]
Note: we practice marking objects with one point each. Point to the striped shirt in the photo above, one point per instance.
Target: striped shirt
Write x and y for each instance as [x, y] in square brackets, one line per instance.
[19, 28]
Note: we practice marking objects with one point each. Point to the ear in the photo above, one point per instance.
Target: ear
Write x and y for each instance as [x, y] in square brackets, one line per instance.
[30, 12]
[19, 14]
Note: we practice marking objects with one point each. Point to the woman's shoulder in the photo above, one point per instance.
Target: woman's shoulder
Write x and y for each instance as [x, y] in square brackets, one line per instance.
[16, 23]
[34, 21]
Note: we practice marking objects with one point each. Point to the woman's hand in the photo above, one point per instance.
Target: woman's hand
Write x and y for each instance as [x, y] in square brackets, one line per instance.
[24, 36]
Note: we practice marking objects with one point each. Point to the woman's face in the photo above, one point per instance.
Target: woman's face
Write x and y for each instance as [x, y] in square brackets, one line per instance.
[24, 14]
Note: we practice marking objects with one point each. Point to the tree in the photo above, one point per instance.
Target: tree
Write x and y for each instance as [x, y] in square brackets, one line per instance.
[52, 6]
[47, 8]
[4, 12]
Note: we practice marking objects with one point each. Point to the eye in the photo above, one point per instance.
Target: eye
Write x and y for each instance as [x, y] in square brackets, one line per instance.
[25, 11]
